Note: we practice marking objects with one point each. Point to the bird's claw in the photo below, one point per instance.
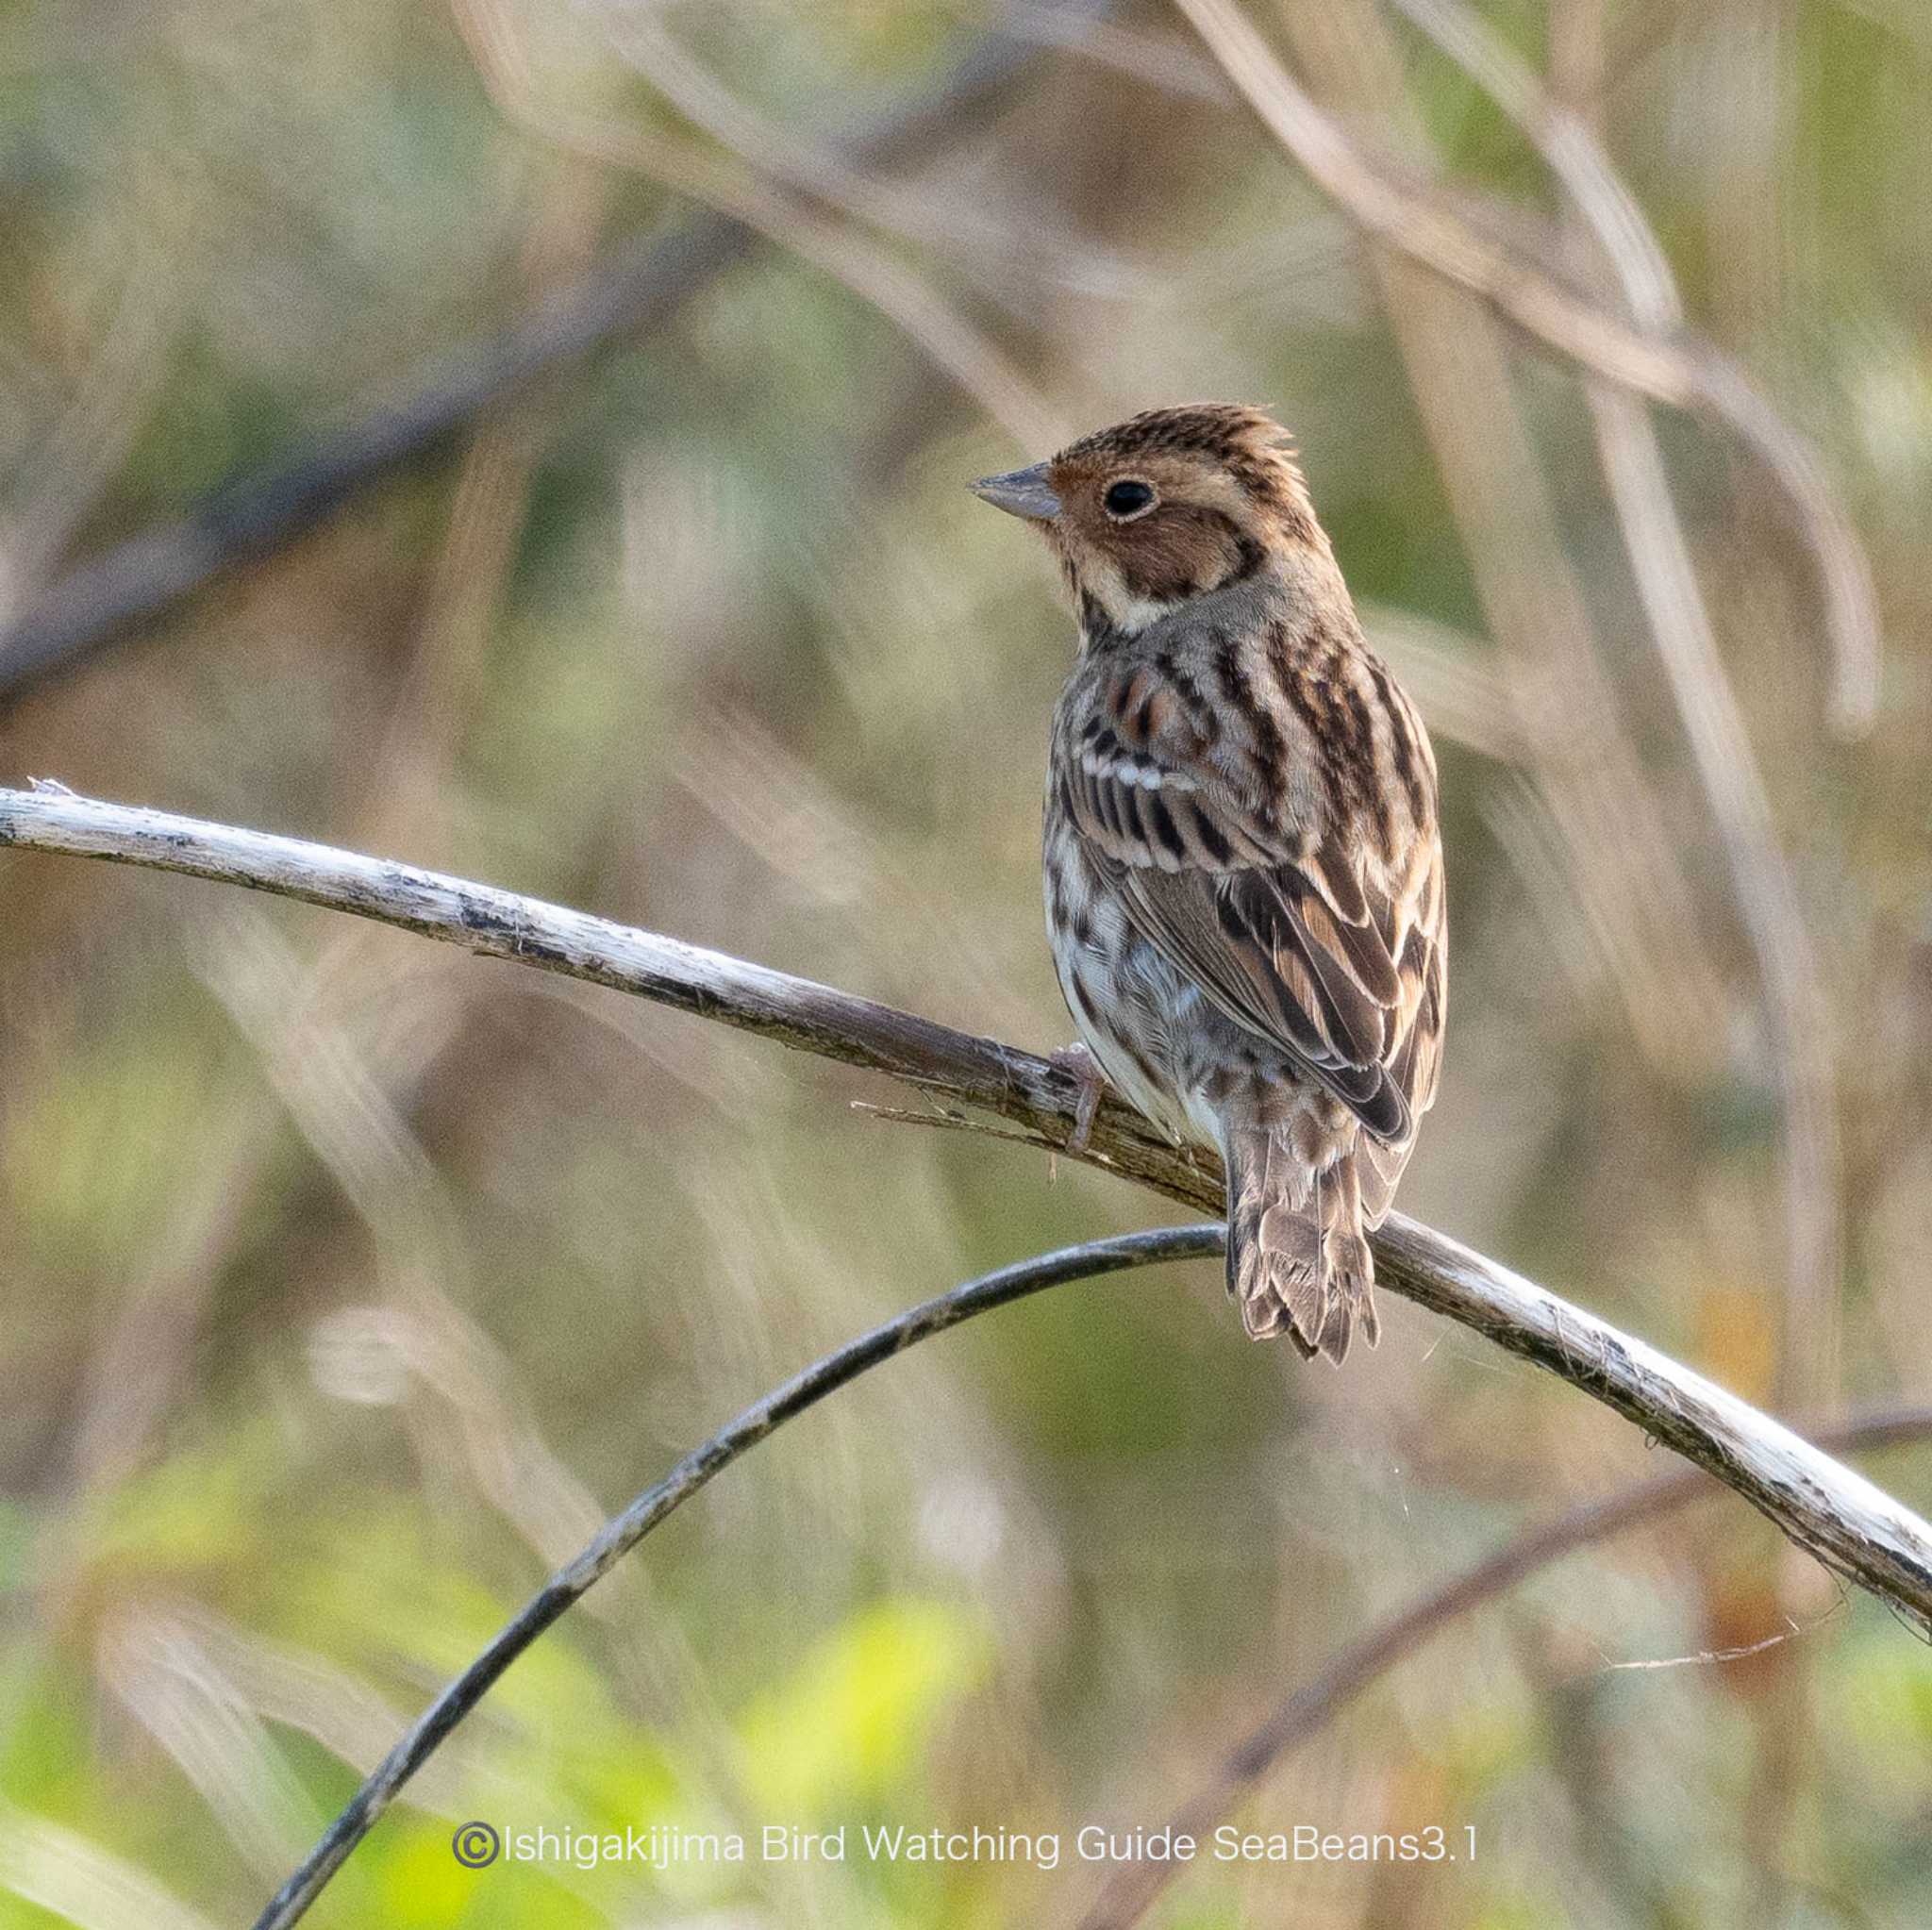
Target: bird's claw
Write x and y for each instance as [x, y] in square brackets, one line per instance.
[1084, 1070]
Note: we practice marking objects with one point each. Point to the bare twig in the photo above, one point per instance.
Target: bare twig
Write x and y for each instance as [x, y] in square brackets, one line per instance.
[781, 217]
[1131, 1890]
[1799, 1011]
[643, 284]
[1640, 912]
[1669, 368]
[623, 1533]
[949, 220]
[1842, 1519]
[1667, 582]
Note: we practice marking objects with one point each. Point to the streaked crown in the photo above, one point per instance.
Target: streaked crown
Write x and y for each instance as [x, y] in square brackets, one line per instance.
[1170, 505]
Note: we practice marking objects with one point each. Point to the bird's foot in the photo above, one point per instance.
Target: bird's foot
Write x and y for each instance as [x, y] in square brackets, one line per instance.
[1084, 1070]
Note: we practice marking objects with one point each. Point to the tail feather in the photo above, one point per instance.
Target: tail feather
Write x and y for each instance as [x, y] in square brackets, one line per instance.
[1297, 1263]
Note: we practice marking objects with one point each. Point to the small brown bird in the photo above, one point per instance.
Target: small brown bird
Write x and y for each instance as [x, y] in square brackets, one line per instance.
[1243, 856]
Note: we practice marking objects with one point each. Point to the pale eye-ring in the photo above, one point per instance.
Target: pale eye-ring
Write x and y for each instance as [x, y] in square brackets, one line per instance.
[1128, 498]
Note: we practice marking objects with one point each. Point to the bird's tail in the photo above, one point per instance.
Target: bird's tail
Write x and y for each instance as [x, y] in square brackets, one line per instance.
[1296, 1259]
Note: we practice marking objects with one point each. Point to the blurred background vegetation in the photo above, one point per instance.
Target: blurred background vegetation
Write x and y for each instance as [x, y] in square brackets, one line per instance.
[349, 1281]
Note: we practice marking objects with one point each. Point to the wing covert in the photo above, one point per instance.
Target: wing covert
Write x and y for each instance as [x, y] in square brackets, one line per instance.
[1303, 946]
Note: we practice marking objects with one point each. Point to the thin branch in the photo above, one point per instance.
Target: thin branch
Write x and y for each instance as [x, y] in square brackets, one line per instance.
[645, 283]
[952, 220]
[1668, 367]
[1571, 150]
[623, 1533]
[1639, 914]
[871, 272]
[1131, 1890]
[1847, 1523]
[1795, 1001]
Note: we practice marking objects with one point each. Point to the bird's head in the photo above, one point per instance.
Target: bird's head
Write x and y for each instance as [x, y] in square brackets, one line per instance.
[1165, 507]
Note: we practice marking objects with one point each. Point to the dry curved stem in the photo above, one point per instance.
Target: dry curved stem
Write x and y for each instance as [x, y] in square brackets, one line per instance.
[1847, 1523]
[1667, 367]
[1638, 915]
[1158, 60]
[622, 1532]
[1132, 1890]
[783, 219]
[1571, 150]
[643, 283]
[1795, 1002]
[783, 160]
[1796, 1005]
[1454, 678]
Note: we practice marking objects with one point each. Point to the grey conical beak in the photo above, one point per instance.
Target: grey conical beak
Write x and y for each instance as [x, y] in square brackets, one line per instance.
[1021, 492]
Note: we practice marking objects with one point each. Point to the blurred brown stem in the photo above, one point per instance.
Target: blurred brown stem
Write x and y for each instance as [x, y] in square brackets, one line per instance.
[644, 283]
[1133, 1889]
[1670, 368]
[1796, 1005]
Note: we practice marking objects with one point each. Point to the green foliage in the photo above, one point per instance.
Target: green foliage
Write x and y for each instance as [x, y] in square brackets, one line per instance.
[847, 1730]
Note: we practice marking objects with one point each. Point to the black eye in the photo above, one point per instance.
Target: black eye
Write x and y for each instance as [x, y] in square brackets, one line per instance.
[1128, 498]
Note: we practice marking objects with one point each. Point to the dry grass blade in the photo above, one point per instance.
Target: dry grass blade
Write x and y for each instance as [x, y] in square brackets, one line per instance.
[642, 284]
[938, 329]
[1571, 150]
[1799, 1011]
[1669, 369]
[1159, 60]
[63, 1873]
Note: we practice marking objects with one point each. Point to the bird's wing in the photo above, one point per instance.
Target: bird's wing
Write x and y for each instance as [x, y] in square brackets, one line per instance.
[1302, 948]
